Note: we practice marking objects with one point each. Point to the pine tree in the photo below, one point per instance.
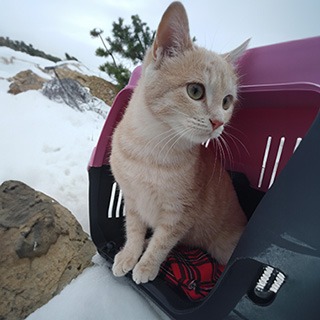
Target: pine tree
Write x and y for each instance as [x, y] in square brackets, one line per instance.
[128, 43]
[69, 57]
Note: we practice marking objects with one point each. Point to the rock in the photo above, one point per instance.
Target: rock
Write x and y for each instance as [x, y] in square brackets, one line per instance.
[68, 91]
[43, 248]
[74, 95]
[100, 88]
[25, 80]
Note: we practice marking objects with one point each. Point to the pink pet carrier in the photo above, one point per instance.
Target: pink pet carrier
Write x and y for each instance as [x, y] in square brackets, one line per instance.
[274, 139]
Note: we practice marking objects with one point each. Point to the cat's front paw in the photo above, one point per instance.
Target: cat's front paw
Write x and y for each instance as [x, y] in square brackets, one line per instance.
[144, 272]
[124, 262]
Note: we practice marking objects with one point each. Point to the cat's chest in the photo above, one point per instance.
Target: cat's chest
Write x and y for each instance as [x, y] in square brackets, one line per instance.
[157, 190]
[154, 202]
[158, 178]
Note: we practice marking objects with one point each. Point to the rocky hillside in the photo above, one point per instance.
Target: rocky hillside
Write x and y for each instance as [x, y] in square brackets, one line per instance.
[78, 86]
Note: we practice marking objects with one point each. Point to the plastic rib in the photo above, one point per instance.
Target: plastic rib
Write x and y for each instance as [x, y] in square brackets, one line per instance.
[112, 196]
[276, 164]
[297, 144]
[264, 161]
[119, 204]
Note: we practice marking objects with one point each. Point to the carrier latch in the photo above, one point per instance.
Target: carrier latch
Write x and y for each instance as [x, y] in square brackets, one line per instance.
[267, 286]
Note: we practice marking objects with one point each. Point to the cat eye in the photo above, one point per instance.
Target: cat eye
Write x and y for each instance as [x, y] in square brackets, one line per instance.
[195, 91]
[227, 101]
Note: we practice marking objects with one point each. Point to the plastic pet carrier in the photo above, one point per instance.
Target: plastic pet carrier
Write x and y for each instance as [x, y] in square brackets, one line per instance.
[274, 272]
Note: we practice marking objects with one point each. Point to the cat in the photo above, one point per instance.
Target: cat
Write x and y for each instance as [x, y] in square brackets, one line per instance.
[171, 183]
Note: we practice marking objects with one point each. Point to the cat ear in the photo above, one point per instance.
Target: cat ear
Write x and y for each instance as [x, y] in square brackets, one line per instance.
[234, 55]
[173, 35]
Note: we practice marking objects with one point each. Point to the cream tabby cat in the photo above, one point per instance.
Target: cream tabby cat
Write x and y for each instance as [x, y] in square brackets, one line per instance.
[170, 182]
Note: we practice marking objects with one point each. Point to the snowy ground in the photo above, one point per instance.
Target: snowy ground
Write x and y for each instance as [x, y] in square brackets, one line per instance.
[47, 145]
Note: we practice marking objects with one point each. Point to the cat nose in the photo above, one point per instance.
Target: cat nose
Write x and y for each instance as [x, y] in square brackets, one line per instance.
[215, 124]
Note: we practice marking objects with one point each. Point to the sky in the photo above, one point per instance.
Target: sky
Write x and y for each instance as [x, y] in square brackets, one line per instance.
[63, 26]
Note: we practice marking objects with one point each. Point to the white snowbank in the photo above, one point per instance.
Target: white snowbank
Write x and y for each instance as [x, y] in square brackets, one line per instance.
[97, 295]
[48, 145]
[12, 62]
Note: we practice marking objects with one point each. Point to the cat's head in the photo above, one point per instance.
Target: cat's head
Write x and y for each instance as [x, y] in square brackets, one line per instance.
[190, 89]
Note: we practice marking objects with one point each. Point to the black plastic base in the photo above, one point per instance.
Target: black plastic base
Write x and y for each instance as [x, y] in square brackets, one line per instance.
[282, 232]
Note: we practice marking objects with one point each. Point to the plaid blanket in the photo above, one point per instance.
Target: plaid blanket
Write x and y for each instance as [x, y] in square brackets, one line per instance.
[192, 271]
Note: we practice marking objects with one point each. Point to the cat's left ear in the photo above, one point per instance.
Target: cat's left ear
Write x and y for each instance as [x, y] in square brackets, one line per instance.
[173, 35]
[234, 55]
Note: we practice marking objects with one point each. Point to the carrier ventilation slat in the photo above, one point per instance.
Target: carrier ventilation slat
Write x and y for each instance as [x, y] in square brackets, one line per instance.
[117, 196]
[206, 143]
[111, 201]
[264, 161]
[116, 207]
[277, 159]
[297, 144]
[276, 163]
[119, 204]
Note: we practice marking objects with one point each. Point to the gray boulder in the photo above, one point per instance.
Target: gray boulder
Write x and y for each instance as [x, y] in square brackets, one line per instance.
[72, 93]
[43, 248]
[24, 81]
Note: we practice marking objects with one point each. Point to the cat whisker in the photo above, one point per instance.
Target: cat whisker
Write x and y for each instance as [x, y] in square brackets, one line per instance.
[216, 155]
[163, 142]
[213, 167]
[182, 134]
[236, 141]
[178, 111]
[227, 148]
[228, 125]
[235, 137]
[221, 157]
[177, 135]
[221, 151]
[167, 134]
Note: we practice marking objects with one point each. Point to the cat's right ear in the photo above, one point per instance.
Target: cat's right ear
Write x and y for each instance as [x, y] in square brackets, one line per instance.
[234, 55]
[173, 36]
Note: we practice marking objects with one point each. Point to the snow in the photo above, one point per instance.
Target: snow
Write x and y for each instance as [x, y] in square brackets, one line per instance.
[97, 295]
[12, 62]
[80, 67]
[48, 145]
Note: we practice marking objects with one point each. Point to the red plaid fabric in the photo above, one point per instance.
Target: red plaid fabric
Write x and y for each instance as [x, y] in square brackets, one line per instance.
[192, 271]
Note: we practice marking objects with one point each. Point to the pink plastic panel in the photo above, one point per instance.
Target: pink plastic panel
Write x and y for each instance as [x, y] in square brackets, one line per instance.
[289, 62]
[265, 131]
[279, 99]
